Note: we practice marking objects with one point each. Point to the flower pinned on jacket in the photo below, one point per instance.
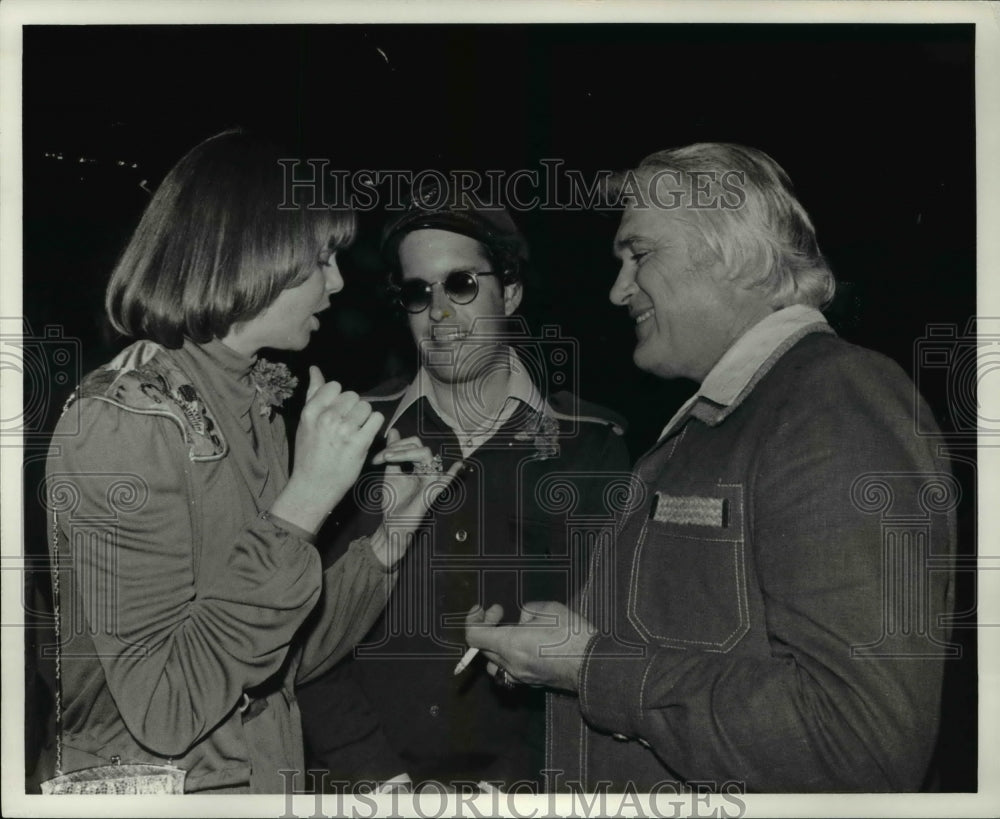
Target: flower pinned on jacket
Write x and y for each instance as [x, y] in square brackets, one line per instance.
[543, 430]
[274, 383]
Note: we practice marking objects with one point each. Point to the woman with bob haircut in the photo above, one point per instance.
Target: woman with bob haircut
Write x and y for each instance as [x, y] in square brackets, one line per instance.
[190, 598]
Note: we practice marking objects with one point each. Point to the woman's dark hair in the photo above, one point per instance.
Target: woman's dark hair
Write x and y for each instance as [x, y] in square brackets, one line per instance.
[217, 243]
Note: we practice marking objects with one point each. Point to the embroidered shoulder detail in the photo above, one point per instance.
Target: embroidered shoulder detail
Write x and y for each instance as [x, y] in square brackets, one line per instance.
[144, 379]
[568, 407]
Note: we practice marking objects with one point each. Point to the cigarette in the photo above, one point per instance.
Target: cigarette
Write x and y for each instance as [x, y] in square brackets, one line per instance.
[464, 662]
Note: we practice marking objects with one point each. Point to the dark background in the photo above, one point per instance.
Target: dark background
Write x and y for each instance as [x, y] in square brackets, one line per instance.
[875, 124]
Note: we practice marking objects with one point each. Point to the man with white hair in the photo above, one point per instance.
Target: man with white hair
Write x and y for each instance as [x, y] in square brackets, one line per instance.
[767, 619]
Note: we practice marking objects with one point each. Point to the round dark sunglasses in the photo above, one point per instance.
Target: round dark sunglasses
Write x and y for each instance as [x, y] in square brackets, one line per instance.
[416, 295]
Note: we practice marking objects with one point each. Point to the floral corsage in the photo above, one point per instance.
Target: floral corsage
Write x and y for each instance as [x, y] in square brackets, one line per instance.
[274, 383]
[543, 431]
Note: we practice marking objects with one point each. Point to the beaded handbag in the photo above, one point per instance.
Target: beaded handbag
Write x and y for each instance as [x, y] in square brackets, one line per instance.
[119, 779]
[116, 778]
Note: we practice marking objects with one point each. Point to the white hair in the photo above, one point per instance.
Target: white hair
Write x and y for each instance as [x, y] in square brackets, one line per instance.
[748, 216]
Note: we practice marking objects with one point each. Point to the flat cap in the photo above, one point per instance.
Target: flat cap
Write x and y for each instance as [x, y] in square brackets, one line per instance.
[437, 205]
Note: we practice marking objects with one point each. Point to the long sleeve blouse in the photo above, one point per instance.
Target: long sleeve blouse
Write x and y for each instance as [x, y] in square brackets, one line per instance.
[183, 604]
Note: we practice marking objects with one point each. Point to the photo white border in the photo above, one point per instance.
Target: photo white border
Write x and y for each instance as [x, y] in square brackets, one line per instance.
[16, 13]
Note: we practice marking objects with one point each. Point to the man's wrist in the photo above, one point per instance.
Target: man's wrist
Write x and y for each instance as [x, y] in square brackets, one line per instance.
[572, 666]
[610, 684]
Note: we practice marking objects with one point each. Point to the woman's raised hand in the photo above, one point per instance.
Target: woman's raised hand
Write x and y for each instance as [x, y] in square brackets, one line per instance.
[335, 431]
[407, 497]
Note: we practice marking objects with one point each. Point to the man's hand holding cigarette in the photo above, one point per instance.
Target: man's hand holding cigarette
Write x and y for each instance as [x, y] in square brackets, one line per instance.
[546, 647]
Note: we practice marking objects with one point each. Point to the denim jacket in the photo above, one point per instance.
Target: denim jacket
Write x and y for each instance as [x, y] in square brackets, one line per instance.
[771, 624]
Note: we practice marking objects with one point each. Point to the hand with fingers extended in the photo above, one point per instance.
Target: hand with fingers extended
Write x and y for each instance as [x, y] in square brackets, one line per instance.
[546, 647]
[335, 431]
[408, 496]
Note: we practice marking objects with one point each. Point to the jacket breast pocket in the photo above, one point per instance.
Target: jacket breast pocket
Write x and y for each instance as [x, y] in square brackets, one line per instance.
[688, 584]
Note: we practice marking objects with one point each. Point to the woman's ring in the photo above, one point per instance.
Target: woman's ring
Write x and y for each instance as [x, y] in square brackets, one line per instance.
[435, 467]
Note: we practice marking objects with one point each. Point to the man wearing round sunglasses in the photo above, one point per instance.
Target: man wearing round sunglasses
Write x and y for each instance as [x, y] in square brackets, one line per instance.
[398, 712]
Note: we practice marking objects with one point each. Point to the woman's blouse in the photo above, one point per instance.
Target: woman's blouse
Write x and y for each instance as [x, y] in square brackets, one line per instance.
[181, 598]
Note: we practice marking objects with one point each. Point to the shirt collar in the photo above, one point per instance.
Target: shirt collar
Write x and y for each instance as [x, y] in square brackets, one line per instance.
[520, 387]
[746, 362]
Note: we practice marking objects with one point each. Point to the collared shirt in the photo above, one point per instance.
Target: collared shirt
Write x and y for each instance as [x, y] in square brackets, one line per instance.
[743, 364]
[520, 388]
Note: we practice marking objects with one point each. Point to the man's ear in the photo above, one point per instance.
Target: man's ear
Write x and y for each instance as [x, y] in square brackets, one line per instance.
[512, 297]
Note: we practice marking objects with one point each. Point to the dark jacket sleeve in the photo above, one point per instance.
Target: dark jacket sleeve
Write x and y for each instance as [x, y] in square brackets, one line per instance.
[832, 704]
[343, 732]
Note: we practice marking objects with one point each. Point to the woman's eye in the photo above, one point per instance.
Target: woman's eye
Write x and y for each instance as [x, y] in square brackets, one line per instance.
[638, 257]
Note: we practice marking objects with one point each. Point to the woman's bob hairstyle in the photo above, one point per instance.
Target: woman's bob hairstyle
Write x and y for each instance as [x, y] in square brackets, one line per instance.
[217, 244]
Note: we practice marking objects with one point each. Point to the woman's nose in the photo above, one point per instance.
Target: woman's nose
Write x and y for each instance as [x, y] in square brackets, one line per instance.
[333, 281]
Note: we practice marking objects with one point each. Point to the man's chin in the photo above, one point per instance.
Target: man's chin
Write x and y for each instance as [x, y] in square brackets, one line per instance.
[661, 368]
[646, 361]
[439, 373]
[641, 358]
